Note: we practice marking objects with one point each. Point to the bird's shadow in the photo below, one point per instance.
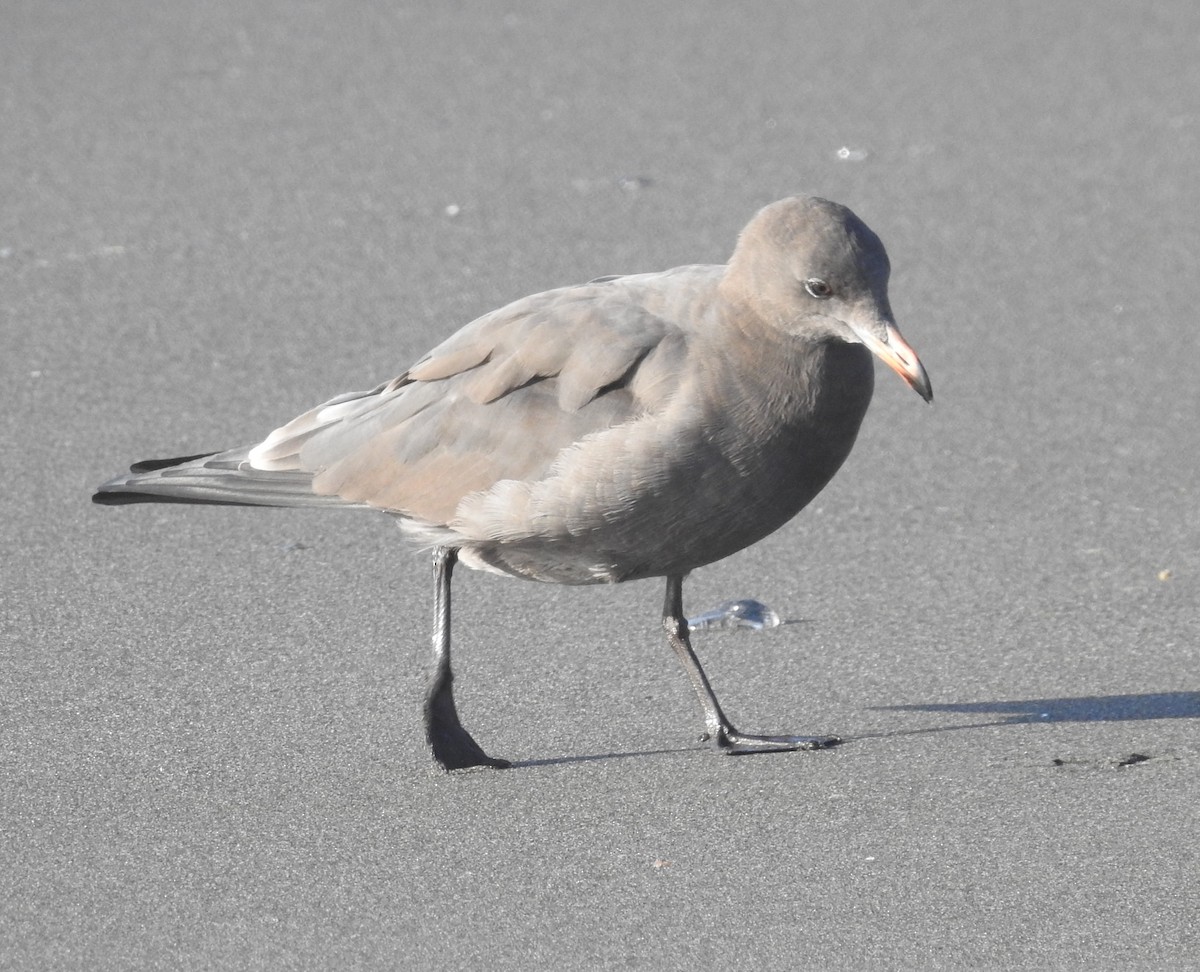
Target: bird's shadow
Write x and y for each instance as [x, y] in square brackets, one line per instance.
[1088, 708]
[597, 757]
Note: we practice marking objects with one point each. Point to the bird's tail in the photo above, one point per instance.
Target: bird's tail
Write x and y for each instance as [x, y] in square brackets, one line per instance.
[220, 478]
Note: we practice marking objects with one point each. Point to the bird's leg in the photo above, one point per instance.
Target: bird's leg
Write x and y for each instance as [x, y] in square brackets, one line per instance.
[452, 745]
[720, 733]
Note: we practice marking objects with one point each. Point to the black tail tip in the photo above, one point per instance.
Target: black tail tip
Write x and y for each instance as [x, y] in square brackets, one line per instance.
[104, 497]
[153, 465]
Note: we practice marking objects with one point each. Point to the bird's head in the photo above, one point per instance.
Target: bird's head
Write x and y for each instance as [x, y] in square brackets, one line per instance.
[812, 268]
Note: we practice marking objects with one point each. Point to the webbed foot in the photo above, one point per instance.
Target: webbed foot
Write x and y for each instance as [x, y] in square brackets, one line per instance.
[726, 739]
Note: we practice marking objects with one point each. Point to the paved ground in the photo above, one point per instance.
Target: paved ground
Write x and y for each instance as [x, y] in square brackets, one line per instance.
[215, 215]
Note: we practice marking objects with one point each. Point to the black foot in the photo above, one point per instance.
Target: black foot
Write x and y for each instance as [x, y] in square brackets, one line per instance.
[452, 745]
[461, 751]
[728, 740]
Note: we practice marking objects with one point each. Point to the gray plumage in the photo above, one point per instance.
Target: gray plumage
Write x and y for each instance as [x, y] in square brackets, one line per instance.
[635, 426]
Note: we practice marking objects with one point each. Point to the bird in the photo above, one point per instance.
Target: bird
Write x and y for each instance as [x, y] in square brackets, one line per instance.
[634, 426]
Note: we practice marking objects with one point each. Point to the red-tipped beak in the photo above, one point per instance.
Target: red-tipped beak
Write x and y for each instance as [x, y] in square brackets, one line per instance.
[898, 355]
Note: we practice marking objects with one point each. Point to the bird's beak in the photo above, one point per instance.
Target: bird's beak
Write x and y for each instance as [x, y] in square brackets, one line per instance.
[885, 341]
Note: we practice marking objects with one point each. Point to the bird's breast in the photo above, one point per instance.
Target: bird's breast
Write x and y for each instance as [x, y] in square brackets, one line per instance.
[717, 470]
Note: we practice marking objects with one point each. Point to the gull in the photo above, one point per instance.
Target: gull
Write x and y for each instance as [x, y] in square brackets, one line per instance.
[635, 426]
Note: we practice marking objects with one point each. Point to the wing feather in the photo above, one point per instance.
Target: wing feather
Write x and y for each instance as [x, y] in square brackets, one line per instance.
[500, 400]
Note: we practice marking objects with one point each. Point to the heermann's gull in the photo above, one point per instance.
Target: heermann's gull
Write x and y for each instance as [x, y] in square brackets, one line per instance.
[634, 426]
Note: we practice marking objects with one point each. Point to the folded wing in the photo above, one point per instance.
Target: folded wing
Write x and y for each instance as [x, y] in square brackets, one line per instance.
[499, 400]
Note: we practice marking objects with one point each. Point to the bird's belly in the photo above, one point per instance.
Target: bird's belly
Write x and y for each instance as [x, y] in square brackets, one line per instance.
[672, 491]
[673, 511]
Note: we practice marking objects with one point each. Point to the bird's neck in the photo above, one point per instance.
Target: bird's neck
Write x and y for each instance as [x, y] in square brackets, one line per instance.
[780, 385]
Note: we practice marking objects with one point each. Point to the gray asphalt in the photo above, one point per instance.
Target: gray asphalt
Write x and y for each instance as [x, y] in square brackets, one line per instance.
[216, 215]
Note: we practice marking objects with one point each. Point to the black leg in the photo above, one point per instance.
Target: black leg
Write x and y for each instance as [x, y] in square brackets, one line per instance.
[720, 731]
[452, 745]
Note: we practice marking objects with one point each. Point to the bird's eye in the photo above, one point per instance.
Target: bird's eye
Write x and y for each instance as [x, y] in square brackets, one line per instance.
[818, 288]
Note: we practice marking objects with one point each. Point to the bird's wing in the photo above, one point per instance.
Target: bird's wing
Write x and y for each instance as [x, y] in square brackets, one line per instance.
[499, 400]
